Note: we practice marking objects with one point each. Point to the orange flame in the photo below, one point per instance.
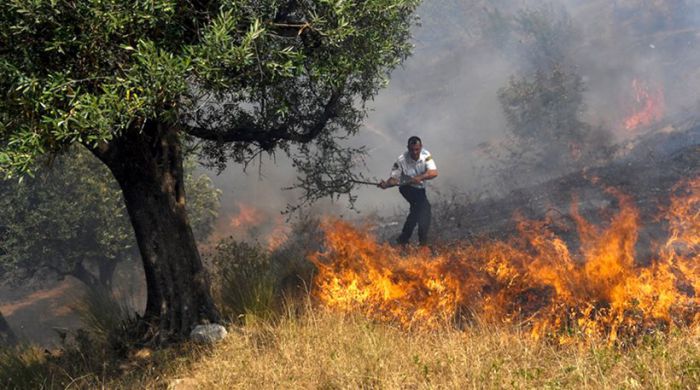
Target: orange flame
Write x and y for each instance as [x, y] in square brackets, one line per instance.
[649, 105]
[247, 216]
[534, 279]
[279, 233]
[253, 224]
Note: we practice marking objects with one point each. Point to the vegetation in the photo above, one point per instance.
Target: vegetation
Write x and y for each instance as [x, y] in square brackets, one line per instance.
[543, 103]
[70, 219]
[545, 134]
[349, 352]
[252, 283]
[243, 281]
[272, 343]
[136, 81]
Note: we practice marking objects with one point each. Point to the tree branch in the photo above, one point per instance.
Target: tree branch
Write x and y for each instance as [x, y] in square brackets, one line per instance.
[251, 132]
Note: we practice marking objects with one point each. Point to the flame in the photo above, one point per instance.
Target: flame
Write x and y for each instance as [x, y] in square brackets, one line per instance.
[253, 224]
[649, 105]
[247, 216]
[598, 289]
[279, 233]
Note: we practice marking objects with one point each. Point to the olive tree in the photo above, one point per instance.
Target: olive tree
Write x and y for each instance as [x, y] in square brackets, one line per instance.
[135, 81]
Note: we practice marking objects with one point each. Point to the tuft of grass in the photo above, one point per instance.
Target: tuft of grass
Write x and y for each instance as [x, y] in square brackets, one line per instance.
[23, 367]
[108, 322]
[28, 367]
[252, 284]
[290, 263]
[103, 354]
[244, 283]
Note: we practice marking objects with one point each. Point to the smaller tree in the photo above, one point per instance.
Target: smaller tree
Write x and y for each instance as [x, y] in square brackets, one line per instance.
[70, 219]
[545, 134]
[543, 103]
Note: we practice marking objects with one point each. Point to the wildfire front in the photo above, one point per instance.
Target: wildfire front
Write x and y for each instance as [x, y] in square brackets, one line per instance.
[597, 288]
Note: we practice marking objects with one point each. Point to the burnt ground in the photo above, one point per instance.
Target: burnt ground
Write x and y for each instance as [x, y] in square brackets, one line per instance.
[646, 169]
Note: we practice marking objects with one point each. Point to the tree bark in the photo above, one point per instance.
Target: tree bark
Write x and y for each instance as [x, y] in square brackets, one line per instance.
[103, 279]
[7, 336]
[86, 277]
[106, 273]
[147, 163]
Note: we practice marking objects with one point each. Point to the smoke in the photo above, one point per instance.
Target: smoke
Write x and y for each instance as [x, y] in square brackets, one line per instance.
[653, 42]
[465, 51]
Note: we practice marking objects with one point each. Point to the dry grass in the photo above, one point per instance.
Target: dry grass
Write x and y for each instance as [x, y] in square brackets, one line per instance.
[322, 350]
[325, 351]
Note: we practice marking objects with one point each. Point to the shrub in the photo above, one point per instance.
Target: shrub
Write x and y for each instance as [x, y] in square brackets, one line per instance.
[243, 281]
[290, 264]
[251, 282]
[109, 323]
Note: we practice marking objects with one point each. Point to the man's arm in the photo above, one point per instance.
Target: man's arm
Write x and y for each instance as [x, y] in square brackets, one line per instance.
[390, 182]
[428, 175]
[430, 172]
[394, 176]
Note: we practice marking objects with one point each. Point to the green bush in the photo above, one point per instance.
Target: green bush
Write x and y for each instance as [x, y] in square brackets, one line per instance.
[250, 282]
[243, 280]
[290, 264]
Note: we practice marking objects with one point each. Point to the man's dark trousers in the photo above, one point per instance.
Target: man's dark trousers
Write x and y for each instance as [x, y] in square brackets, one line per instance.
[419, 214]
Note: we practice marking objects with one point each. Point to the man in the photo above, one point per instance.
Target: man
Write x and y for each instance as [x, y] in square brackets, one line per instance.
[410, 171]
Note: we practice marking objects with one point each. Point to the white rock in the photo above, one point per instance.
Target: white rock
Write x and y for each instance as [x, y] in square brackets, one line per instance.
[208, 334]
[183, 384]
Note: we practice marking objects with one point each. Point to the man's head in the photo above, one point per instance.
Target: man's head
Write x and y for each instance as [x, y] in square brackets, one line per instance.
[414, 147]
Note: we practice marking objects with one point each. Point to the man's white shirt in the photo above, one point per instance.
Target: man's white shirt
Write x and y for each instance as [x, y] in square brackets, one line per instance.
[405, 167]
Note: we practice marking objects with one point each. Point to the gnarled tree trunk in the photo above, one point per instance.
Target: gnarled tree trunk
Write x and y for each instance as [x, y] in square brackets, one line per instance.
[147, 163]
[103, 279]
[86, 277]
[106, 273]
[7, 336]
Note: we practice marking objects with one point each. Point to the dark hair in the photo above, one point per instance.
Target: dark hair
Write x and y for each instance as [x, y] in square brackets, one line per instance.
[414, 140]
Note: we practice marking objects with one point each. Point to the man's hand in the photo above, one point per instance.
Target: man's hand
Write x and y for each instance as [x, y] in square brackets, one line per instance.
[384, 184]
[416, 179]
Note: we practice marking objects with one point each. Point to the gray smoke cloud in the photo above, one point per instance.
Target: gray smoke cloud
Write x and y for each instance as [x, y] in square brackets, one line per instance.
[446, 93]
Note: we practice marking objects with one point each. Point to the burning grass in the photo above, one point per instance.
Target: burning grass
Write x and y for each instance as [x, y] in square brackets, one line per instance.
[595, 289]
[649, 105]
